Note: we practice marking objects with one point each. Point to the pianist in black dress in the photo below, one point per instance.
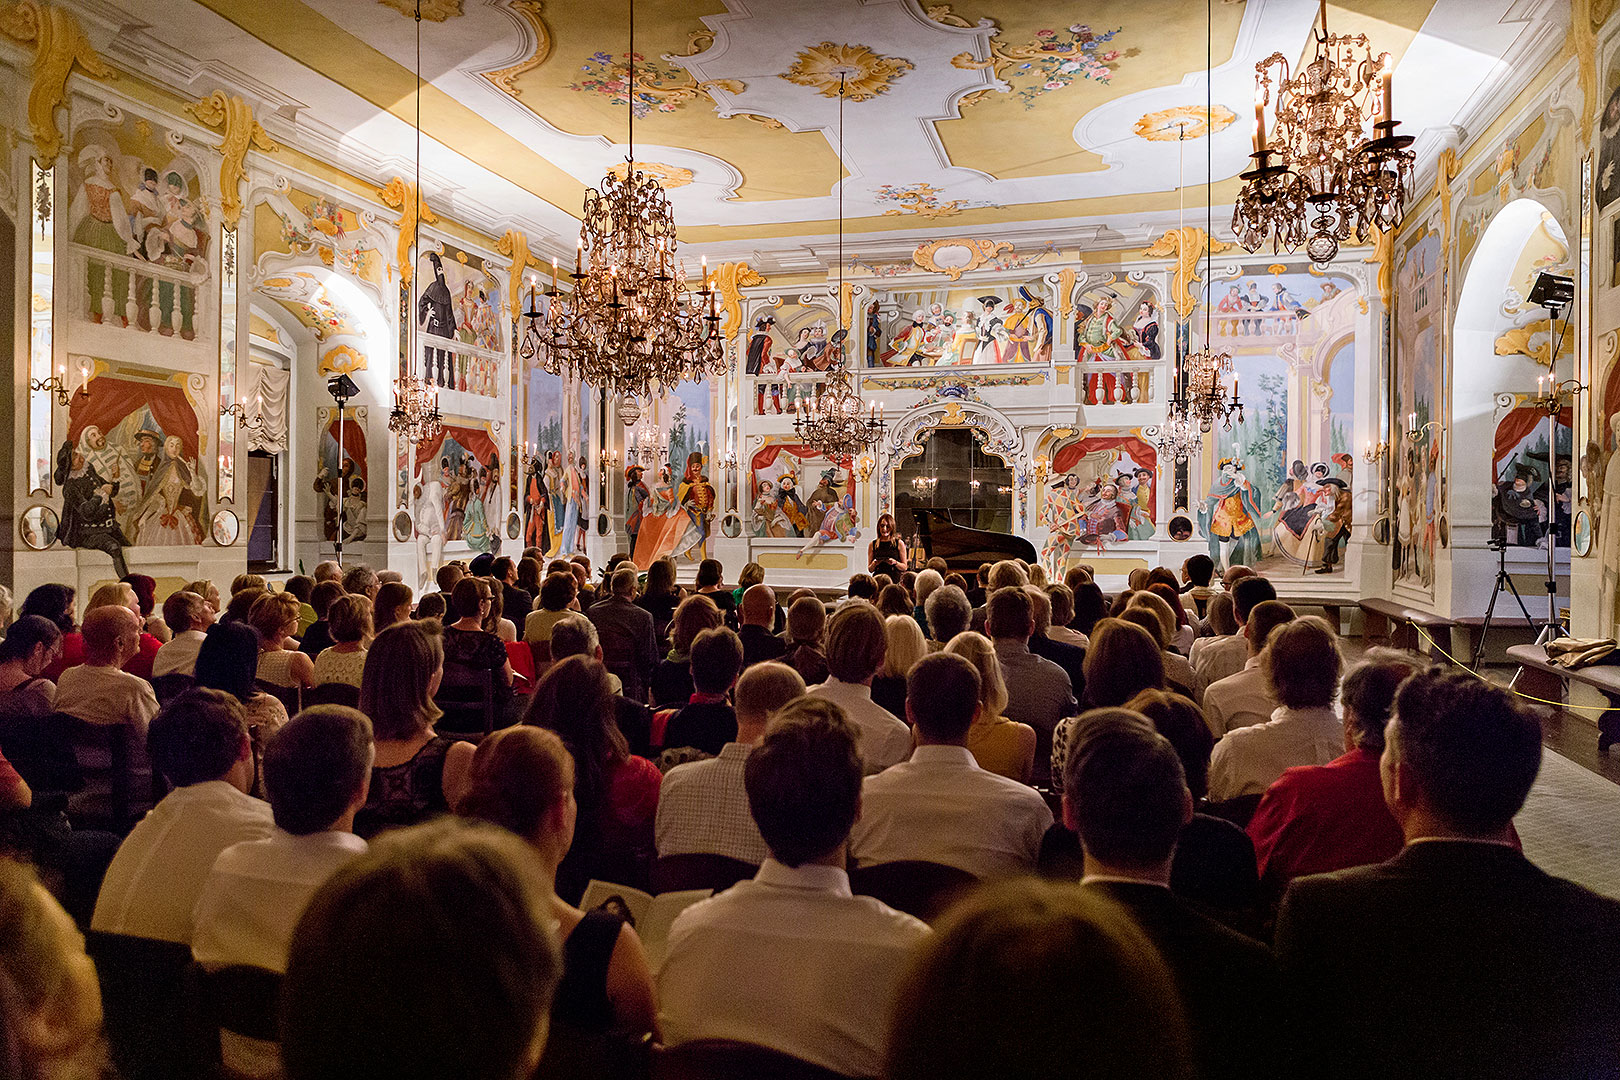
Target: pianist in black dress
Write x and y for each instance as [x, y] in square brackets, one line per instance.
[886, 554]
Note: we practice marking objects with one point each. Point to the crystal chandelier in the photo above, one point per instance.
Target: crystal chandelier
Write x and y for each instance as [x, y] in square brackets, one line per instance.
[1318, 181]
[632, 324]
[415, 415]
[1179, 439]
[836, 422]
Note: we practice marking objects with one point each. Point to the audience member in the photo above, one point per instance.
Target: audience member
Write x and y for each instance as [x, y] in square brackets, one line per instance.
[121, 594]
[671, 683]
[757, 614]
[348, 620]
[1246, 698]
[709, 572]
[999, 745]
[1031, 979]
[576, 636]
[1038, 691]
[1458, 957]
[707, 722]
[1225, 657]
[857, 642]
[1089, 608]
[317, 639]
[226, 661]
[616, 792]
[200, 745]
[940, 806]
[904, 648]
[385, 577]
[447, 576]
[660, 596]
[242, 583]
[522, 780]
[492, 622]
[1180, 638]
[1123, 660]
[948, 613]
[1318, 818]
[209, 592]
[979, 591]
[1178, 670]
[361, 580]
[30, 644]
[417, 773]
[431, 606]
[895, 600]
[1125, 795]
[56, 603]
[928, 582]
[1301, 664]
[582, 575]
[393, 605]
[472, 655]
[1071, 658]
[791, 960]
[528, 580]
[806, 654]
[273, 617]
[50, 998]
[303, 588]
[144, 586]
[1061, 597]
[328, 570]
[1198, 574]
[188, 617]
[516, 603]
[862, 587]
[629, 642]
[241, 604]
[702, 805]
[317, 771]
[559, 595]
[100, 690]
[432, 955]
[1219, 622]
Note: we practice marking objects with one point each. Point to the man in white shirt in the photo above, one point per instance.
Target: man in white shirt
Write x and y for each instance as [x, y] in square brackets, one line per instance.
[1246, 698]
[1039, 692]
[317, 771]
[940, 806]
[702, 805]
[188, 617]
[791, 960]
[1224, 657]
[200, 742]
[1302, 664]
[856, 645]
[98, 691]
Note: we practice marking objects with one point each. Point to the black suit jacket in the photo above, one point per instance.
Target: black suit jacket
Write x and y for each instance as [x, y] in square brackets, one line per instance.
[1071, 658]
[1228, 982]
[1452, 959]
[516, 604]
[759, 645]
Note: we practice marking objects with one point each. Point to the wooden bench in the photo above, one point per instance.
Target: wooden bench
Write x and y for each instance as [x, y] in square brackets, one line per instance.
[1398, 625]
[1332, 606]
[1465, 635]
[1538, 677]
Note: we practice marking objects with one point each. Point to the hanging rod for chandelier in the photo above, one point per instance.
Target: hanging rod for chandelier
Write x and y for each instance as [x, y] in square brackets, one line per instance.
[1317, 179]
[415, 416]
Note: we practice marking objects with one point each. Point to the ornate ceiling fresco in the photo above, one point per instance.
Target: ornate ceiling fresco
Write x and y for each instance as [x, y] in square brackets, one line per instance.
[967, 114]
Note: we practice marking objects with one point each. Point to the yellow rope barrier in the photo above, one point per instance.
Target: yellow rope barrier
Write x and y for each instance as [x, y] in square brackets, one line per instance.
[1599, 709]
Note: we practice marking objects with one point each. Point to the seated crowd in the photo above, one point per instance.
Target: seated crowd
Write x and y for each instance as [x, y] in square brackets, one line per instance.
[936, 827]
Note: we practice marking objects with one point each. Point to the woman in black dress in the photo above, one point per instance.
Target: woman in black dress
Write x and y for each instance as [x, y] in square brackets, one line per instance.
[887, 553]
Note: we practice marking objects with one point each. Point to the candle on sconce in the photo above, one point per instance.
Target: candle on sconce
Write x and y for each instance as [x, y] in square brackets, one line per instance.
[1388, 83]
[1259, 123]
[579, 253]
[1411, 422]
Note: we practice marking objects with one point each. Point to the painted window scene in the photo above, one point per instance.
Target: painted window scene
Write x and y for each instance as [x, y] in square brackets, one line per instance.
[795, 492]
[671, 498]
[983, 324]
[341, 484]
[456, 488]
[1117, 323]
[784, 341]
[1103, 490]
[457, 302]
[555, 483]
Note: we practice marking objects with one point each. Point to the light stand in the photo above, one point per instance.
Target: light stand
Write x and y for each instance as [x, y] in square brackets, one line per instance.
[1504, 580]
[1555, 292]
[342, 389]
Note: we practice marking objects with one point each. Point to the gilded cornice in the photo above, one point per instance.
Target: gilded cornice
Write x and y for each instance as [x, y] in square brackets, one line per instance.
[233, 117]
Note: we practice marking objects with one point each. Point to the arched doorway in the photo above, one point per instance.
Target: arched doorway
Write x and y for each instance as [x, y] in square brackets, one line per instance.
[955, 473]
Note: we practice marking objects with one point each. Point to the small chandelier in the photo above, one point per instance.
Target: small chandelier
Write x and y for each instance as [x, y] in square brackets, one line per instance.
[836, 422]
[632, 324]
[1203, 397]
[1319, 181]
[415, 415]
[1179, 439]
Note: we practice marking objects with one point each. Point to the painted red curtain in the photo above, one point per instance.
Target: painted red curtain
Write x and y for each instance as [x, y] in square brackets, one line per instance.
[474, 440]
[111, 399]
[1139, 449]
[354, 440]
[1516, 425]
[766, 456]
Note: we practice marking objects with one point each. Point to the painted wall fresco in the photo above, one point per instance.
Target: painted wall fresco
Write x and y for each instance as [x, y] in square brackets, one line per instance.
[456, 479]
[674, 505]
[342, 473]
[137, 444]
[1011, 323]
[796, 492]
[459, 301]
[786, 339]
[141, 226]
[555, 482]
[1104, 489]
[1417, 397]
[1277, 490]
[1116, 322]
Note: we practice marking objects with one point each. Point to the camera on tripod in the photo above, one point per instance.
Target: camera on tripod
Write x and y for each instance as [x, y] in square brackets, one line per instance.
[1497, 543]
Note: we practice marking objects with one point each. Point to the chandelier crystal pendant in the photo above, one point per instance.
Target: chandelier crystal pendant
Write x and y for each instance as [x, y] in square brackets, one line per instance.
[836, 422]
[632, 324]
[1179, 439]
[415, 415]
[1318, 181]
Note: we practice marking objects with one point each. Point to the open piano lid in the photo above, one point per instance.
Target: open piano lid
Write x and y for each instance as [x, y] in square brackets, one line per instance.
[963, 548]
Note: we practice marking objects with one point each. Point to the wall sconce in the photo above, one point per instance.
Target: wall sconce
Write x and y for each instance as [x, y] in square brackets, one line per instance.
[864, 467]
[56, 385]
[1418, 435]
[253, 425]
[729, 464]
[1375, 452]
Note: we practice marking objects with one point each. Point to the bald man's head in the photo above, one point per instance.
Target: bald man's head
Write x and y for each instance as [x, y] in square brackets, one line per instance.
[111, 636]
[759, 606]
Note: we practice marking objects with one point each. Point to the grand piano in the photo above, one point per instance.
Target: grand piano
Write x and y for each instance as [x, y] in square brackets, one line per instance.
[962, 548]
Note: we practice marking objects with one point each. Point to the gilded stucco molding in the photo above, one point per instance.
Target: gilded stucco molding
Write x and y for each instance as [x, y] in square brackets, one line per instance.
[1186, 245]
[233, 117]
[401, 195]
[729, 281]
[515, 246]
[530, 12]
[60, 46]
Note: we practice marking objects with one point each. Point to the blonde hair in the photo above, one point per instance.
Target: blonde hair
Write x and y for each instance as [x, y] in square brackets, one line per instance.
[1161, 611]
[349, 619]
[45, 976]
[113, 594]
[1037, 576]
[271, 613]
[243, 582]
[978, 650]
[906, 645]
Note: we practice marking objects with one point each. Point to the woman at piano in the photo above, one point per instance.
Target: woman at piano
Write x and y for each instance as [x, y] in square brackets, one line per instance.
[887, 553]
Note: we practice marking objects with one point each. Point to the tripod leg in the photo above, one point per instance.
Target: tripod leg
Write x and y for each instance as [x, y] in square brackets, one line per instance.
[1485, 627]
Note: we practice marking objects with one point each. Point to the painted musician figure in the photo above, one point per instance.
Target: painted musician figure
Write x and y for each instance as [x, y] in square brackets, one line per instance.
[700, 500]
[637, 501]
[760, 363]
[1231, 518]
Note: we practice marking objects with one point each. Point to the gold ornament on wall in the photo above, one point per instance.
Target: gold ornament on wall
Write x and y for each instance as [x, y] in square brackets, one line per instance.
[59, 47]
[1183, 122]
[865, 74]
[957, 256]
[1186, 245]
[729, 280]
[1383, 256]
[234, 118]
[341, 360]
[1066, 279]
[1534, 339]
[402, 195]
[515, 246]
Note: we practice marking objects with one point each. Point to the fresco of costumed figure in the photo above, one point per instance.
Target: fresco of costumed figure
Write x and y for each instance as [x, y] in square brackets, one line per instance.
[1231, 518]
